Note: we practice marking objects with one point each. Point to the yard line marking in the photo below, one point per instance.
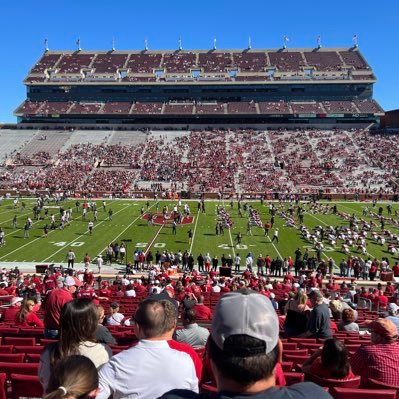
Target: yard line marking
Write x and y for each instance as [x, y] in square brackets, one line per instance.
[153, 240]
[134, 221]
[231, 238]
[76, 239]
[195, 229]
[278, 252]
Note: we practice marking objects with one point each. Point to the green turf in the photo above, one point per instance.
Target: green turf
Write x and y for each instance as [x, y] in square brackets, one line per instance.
[128, 224]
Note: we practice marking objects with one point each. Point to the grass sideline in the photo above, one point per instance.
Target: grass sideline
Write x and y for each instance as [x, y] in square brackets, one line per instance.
[127, 223]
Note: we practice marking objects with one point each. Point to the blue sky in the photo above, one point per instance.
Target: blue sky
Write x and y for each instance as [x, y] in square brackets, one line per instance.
[26, 23]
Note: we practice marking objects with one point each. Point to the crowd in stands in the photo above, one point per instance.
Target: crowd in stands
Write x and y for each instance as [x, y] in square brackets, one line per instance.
[317, 330]
[303, 161]
[31, 108]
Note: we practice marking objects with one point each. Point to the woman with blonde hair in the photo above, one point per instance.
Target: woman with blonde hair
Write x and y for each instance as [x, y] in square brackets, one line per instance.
[297, 313]
[74, 377]
[26, 317]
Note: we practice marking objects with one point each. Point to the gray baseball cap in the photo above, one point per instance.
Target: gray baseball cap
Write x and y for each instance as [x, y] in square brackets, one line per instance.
[245, 312]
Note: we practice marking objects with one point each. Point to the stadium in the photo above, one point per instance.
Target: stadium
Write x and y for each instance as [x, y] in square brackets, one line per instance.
[181, 157]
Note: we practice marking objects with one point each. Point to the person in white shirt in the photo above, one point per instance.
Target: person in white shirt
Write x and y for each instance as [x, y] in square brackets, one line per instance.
[114, 318]
[174, 365]
[130, 291]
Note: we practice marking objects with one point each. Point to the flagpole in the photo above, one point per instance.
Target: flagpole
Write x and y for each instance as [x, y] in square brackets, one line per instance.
[249, 43]
[46, 45]
[214, 43]
[145, 44]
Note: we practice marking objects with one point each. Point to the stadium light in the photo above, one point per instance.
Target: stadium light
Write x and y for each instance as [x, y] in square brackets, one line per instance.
[355, 41]
[286, 40]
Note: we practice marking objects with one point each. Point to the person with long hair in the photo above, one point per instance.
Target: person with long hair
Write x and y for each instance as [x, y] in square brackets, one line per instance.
[329, 362]
[297, 313]
[26, 317]
[78, 325]
[74, 377]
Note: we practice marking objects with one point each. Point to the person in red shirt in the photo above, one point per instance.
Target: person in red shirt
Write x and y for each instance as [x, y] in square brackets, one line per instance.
[389, 289]
[55, 300]
[380, 360]
[395, 269]
[331, 361]
[11, 312]
[202, 311]
[26, 317]
[3, 291]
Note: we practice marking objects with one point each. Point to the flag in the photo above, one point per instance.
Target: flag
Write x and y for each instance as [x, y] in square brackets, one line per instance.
[180, 44]
[145, 44]
[249, 43]
[286, 39]
[214, 43]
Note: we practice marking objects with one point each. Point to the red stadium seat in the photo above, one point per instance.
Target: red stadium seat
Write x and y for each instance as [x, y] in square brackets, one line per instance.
[330, 382]
[356, 393]
[3, 378]
[292, 377]
[19, 340]
[12, 357]
[33, 357]
[375, 384]
[25, 386]
[28, 348]
[6, 348]
[19, 368]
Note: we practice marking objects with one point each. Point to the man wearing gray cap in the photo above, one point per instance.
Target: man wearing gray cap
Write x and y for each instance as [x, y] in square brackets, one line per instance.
[244, 351]
[393, 314]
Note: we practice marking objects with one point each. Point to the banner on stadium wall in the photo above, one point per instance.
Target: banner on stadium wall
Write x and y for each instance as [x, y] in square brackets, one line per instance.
[356, 115]
[307, 115]
[335, 115]
[55, 116]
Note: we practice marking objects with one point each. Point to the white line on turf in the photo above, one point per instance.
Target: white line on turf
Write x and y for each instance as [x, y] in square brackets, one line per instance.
[195, 229]
[76, 239]
[134, 221]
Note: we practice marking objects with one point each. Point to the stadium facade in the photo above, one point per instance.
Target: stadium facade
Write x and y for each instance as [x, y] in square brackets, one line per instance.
[293, 87]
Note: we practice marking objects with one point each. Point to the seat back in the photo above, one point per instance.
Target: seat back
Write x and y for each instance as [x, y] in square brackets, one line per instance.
[356, 393]
[25, 386]
[28, 349]
[6, 348]
[19, 340]
[19, 368]
[332, 382]
[3, 378]
[12, 357]
[371, 383]
[292, 377]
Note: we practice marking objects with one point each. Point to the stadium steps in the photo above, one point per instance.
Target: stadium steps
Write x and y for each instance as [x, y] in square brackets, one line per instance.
[340, 57]
[356, 107]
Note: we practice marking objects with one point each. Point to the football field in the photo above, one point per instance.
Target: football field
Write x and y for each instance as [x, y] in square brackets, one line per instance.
[130, 222]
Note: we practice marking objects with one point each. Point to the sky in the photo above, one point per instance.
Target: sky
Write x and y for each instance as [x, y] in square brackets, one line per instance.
[26, 23]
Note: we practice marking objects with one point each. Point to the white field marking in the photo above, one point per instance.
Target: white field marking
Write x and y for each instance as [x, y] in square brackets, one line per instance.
[195, 229]
[76, 239]
[231, 238]
[18, 217]
[278, 252]
[129, 225]
[153, 240]
[23, 246]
